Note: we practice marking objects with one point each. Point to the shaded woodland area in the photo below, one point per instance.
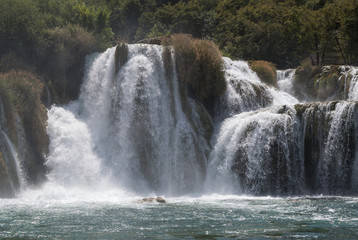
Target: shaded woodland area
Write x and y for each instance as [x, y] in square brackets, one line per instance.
[53, 32]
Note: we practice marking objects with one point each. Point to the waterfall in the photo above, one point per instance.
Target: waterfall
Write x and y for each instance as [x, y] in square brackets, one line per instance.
[331, 133]
[246, 92]
[286, 149]
[260, 151]
[131, 128]
[134, 128]
[349, 74]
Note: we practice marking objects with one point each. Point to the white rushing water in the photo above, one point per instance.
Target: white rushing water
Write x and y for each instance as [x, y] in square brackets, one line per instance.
[350, 78]
[285, 80]
[281, 150]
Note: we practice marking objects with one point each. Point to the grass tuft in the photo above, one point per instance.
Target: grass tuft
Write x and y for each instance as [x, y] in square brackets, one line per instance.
[266, 71]
[199, 63]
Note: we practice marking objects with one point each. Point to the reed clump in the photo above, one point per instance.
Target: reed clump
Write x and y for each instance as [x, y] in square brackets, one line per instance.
[121, 56]
[266, 71]
[200, 65]
[25, 89]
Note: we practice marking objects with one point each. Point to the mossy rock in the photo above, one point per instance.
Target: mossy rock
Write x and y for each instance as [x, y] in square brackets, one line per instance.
[318, 83]
[326, 83]
[152, 200]
[121, 56]
[304, 84]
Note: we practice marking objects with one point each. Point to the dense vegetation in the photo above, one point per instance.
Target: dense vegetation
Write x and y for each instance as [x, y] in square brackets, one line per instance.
[53, 36]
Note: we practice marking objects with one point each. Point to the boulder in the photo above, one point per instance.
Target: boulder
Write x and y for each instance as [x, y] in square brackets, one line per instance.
[152, 199]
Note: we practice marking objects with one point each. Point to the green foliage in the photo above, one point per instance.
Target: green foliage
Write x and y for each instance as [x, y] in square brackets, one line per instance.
[67, 49]
[199, 63]
[53, 37]
[266, 71]
[194, 17]
[280, 31]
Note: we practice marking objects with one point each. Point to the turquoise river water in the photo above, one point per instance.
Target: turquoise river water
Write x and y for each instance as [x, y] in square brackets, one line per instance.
[209, 217]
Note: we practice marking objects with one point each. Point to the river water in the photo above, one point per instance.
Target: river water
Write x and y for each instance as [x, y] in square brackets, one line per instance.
[207, 217]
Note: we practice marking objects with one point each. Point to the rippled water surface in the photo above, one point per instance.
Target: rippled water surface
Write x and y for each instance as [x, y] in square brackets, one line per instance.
[211, 217]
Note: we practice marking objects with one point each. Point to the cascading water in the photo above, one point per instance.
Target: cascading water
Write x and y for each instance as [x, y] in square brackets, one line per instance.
[350, 78]
[285, 149]
[285, 80]
[129, 128]
[331, 133]
[261, 151]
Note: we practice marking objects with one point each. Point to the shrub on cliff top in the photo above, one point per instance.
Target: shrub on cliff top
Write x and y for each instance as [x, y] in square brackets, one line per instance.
[199, 63]
[266, 71]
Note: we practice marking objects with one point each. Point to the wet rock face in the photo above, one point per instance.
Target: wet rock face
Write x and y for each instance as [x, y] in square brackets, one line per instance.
[330, 136]
[267, 160]
[325, 83]
[6, 189]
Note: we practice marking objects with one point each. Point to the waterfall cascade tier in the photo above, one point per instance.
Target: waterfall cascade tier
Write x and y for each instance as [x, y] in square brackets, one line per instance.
[290, 150]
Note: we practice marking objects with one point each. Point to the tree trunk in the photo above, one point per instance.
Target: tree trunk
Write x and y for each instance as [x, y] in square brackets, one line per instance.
[324, 52]
[317, 49]
[340, 48]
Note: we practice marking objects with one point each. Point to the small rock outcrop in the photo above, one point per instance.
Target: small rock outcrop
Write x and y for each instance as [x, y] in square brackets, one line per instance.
[152, 199]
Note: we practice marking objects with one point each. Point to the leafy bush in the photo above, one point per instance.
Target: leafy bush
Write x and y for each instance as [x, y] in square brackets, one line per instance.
[200, 64]
[62, 61]
[266, 71]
